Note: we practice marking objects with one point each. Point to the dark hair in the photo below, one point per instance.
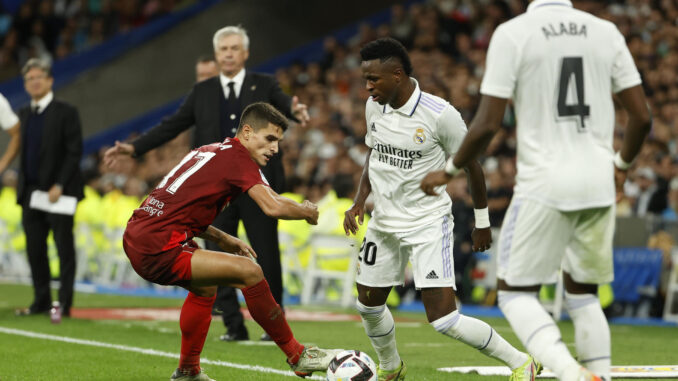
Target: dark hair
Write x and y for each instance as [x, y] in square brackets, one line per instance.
[205, 58]
[258, 115]
[385, 49]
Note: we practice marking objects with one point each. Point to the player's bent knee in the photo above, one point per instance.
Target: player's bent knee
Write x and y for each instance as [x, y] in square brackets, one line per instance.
[251, 274]
[207, 292]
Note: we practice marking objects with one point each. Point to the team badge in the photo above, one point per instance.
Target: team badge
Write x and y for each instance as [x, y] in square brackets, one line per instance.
[419, 136]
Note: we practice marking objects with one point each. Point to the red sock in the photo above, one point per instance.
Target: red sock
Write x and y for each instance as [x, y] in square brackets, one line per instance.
[195, 319]
[268, 314]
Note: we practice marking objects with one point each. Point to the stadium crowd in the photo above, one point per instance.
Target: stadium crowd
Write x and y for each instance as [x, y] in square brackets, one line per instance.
[53, 29]
[447, 41]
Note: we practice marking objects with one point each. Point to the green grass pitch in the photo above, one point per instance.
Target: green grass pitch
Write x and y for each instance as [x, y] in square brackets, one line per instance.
[424, 350]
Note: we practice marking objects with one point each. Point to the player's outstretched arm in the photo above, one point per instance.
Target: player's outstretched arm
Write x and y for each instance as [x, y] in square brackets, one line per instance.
[227, 242]
[637, 128]
[277, 206]
[358, 207]
[481, 235]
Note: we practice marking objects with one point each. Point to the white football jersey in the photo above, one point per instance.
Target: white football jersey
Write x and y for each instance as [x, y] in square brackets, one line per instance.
[408, 143]
[561, 66]
[7, 117]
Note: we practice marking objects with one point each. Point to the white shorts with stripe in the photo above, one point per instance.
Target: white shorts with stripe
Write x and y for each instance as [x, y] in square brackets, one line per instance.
[384, 255]
[536, 240]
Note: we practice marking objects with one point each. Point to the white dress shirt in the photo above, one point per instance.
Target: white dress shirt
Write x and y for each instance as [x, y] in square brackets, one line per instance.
[238, 79]
[43, 102]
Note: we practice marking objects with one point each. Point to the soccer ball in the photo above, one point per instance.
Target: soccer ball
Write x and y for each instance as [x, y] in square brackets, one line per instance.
[352, 366]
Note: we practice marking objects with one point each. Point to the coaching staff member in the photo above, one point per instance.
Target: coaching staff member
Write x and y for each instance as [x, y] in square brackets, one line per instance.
[214, 107]
[51, 138]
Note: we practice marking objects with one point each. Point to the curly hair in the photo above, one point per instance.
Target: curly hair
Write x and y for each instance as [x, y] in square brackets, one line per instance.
[385, 49]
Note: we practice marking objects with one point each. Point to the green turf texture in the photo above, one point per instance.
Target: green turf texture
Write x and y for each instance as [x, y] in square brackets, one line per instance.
[423, 349]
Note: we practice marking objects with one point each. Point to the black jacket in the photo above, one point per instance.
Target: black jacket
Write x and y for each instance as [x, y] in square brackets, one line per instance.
[201, 109]
[60, 150]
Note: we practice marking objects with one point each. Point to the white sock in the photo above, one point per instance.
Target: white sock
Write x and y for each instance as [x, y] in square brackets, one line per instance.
[380, 328]
[481, 336]
[538, 332]
[591, 333]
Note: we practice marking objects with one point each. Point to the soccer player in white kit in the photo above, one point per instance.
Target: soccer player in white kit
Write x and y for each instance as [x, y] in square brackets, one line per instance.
[410, 132]
[560, 66]
[10, 123]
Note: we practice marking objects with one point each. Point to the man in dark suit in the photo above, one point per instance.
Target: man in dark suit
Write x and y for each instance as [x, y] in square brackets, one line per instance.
[51, 138]
[214, 107]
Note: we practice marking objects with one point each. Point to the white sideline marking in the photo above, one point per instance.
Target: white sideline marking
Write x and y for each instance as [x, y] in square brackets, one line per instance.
[617, 371]
[152, 352]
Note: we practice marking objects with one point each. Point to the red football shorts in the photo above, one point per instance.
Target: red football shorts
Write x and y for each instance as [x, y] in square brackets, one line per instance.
[170, 267]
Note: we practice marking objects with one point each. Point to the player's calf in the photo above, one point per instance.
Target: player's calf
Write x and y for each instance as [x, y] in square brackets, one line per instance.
[481, 336]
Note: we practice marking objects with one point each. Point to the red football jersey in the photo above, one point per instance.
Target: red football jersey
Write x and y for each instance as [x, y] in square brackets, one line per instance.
[188, 199]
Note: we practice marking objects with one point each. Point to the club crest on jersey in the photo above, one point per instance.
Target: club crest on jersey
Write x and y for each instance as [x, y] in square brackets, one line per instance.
[419, 136]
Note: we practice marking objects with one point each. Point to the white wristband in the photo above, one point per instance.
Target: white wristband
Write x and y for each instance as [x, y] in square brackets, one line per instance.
[620, 163]
[450, 169]
[482, 218]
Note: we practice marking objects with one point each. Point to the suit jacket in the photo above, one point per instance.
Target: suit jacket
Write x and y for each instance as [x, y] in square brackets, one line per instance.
[201, 109]
[60, 150]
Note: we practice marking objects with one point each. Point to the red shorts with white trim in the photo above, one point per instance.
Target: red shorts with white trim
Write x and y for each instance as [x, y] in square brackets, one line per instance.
[169, 267]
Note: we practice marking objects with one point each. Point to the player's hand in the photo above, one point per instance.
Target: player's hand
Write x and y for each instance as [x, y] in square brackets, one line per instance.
[350, 224]
[434, 179]
[236, 246]
[300, 111]
[111, 155]
[54, 193]
[313, 209]
[482, 239]
[619, 180]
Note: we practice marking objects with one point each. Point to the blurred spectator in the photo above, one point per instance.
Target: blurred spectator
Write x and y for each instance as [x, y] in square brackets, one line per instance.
[48, 29]
[205, 68]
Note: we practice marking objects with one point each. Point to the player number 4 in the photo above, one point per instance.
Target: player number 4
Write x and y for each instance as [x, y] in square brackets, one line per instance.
[202, 159]
[572, 66]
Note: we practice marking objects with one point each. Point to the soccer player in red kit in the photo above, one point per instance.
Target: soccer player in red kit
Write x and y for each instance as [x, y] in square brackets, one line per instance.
[159, 238]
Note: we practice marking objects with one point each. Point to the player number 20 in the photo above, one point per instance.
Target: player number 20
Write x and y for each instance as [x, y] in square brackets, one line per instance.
[368, 253]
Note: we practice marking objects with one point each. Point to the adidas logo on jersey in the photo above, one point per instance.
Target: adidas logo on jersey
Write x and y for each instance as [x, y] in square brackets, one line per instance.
[432, 275]
[373, 128]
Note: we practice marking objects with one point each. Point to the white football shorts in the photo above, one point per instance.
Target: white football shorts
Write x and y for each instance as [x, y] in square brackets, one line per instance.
[384, 255]
[535, 240]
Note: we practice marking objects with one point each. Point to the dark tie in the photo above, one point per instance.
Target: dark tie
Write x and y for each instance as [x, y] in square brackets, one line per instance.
[35, 109]
[231, 92]
[232, 111]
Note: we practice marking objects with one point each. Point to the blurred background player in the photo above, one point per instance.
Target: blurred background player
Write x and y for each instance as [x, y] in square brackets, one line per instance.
[409, 132]
[559, 65]
[159, 238]
[9, 122]
[235, 88]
